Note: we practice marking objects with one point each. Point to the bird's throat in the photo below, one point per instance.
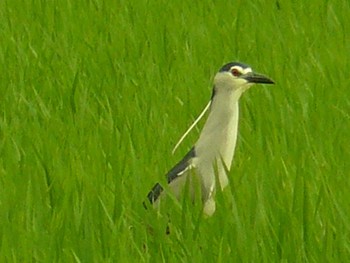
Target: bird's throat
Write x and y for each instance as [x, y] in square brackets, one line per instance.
[217, 140]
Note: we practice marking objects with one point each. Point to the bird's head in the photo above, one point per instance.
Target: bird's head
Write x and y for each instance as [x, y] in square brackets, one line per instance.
[238, 76]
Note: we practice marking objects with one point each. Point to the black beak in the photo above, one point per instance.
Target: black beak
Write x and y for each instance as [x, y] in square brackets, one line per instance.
[258, 78]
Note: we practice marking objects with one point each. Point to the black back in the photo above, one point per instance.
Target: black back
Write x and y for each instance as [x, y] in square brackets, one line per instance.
[174, 173]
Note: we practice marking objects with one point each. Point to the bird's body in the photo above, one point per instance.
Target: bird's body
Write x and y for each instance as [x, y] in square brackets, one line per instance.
[211, 157]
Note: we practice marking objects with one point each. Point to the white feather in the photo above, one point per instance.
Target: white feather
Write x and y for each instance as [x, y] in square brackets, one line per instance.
[191, 127]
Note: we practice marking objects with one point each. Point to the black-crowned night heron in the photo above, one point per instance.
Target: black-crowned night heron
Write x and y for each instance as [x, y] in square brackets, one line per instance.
[211, 156]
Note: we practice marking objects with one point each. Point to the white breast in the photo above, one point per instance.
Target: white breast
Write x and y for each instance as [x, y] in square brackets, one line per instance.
[217, 141]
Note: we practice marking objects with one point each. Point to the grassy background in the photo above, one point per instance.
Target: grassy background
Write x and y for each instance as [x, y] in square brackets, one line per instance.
[94, 95]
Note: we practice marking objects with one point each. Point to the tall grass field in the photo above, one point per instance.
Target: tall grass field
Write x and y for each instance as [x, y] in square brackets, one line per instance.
[94, 95]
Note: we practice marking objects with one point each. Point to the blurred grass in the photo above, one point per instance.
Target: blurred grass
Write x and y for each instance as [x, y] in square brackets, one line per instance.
[94, 94]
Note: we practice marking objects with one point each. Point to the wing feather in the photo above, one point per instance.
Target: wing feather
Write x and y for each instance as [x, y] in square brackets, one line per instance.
[179, 169]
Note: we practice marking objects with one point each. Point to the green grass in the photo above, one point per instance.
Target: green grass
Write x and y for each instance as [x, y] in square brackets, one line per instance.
[94, 95]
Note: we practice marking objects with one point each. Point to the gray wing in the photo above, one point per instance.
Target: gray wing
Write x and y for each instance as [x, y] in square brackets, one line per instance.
[174, 173]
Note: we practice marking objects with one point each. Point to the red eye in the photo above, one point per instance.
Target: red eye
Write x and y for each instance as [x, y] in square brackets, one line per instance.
[235, 72]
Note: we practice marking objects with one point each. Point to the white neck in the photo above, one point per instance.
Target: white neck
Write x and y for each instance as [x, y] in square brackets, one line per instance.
[217, 140]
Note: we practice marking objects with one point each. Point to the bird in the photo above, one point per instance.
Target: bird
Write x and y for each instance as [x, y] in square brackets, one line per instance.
[210, 159]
